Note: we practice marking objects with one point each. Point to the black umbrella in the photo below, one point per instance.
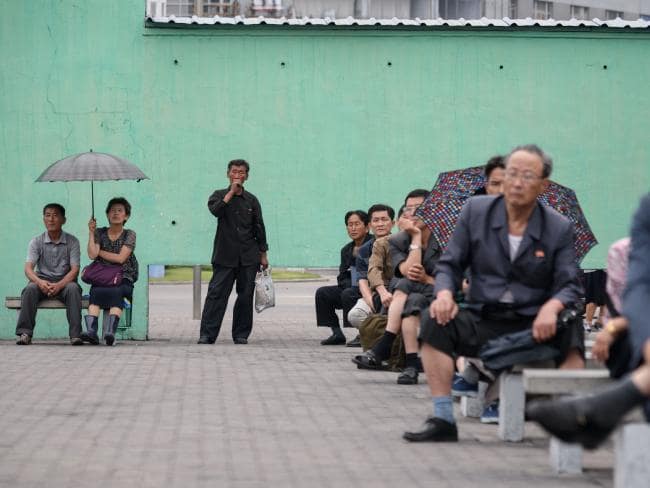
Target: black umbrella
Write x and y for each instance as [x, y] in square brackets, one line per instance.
[92, 166]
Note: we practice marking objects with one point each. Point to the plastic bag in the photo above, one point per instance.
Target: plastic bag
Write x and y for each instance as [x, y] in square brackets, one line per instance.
[264, 290]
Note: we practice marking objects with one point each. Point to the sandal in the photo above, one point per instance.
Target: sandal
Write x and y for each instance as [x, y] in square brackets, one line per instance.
[368, 360]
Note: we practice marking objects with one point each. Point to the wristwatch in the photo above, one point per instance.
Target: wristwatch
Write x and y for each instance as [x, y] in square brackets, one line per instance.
[413, 247]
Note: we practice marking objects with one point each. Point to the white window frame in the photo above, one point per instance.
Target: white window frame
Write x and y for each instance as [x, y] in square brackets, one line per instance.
[542, 10]
[579, 12]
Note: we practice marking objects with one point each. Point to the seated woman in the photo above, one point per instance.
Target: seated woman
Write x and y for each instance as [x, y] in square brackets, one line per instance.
[111, 245]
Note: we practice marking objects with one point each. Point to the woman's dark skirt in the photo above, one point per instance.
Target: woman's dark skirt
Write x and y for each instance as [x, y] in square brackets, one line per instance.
[111, 296]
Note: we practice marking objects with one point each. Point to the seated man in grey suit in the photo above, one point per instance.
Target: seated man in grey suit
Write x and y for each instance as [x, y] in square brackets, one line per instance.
[522, 275]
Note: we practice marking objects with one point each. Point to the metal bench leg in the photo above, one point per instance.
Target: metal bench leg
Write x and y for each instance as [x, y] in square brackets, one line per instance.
[512, 400]
[632, 450]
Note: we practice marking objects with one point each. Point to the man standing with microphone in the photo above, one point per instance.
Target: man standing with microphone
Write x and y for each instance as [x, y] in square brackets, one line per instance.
[239, 251]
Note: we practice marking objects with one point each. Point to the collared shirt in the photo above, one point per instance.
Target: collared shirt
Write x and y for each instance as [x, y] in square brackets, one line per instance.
[240, 235]
[544, 266]
[53, 260]
[380, 270]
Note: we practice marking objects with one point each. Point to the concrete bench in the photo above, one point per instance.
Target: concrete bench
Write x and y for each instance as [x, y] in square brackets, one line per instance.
[13, 303]
[515, 384]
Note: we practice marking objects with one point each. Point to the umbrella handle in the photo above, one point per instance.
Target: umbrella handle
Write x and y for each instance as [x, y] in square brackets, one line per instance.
[92, 199]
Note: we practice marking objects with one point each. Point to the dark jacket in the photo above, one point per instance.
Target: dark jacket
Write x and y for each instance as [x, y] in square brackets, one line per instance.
[344, 278]
[399, 250]
[240, 235]
[543, 268]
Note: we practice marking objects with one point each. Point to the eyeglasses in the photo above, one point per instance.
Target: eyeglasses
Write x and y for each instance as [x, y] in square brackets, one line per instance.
[527, 177]
[238, 172]
[380, 219]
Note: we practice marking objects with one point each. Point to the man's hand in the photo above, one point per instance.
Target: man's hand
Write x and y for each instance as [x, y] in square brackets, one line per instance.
[44, 286]
[443, 308]
[545, 324]
[606, 337]
[55, 289]
[264, 260]
[417, 273]
[410, 228]
[236, 187]
[385, 296]
[92, 225]
[602, 343]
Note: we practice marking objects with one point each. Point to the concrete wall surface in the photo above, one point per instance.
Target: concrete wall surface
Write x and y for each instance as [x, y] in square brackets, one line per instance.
[331, 119]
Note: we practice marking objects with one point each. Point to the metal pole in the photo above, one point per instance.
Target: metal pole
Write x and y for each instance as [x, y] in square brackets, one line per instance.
[196, 288]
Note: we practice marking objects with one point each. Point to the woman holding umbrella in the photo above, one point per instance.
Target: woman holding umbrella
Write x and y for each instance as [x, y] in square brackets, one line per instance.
[111, 245]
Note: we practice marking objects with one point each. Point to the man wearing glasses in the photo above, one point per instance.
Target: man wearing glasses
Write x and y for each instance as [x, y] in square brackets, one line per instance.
[522, 275]
[239, 251]
[413, 253]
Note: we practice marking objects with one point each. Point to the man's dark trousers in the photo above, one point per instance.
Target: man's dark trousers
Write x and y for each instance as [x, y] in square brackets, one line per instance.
[32, 294]
[216, 301]
[331, 298]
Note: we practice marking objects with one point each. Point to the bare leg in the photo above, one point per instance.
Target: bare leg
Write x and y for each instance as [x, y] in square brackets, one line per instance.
[410, 333]
[590, 310]
[115, 311]
[394, 323]
[573, 361]
[439, 369]
[93, 310]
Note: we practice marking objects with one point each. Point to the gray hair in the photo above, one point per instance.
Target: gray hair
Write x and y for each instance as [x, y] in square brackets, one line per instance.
[547, 162]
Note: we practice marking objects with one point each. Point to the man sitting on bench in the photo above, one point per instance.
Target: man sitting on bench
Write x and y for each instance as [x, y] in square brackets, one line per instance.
[522, 273]
[52, 267]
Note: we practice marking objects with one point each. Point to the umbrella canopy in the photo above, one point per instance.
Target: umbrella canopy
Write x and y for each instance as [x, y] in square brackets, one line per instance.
[92, 166]
[442, 207]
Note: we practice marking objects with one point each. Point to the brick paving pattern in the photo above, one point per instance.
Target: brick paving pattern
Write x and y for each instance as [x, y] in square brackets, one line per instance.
[281, 411]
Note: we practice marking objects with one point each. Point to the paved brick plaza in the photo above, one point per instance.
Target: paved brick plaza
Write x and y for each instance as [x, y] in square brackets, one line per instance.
[282, 411]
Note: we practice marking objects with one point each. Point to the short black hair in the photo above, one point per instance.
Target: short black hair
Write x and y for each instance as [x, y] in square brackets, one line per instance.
[400, 211]
[57, 206]
[493, 163]
[359, 213]
[119, 201]
[420, 192]
[380, 207]
[239, 162]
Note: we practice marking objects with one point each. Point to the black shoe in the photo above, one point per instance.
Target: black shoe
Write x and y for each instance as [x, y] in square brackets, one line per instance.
[333, 340]
[356, 342]
[205, 340]
[408, 377]
[571, 420]
[435, 430]
[368, 360]
[240, 340]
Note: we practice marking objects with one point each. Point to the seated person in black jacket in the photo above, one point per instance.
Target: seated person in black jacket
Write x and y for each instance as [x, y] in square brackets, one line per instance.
[343, 295]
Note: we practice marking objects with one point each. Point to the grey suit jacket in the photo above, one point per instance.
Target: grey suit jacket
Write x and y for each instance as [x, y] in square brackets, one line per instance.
[399, 249]
[637, 290]
[544, 266]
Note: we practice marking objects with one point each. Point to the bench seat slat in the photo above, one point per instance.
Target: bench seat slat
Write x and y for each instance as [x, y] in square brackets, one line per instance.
[563, 381]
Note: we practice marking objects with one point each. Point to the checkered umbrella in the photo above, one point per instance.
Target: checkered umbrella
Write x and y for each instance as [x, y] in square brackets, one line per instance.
[442, 207]
[92, 166]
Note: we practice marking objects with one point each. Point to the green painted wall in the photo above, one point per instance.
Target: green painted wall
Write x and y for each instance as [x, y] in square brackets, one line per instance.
[334, 128]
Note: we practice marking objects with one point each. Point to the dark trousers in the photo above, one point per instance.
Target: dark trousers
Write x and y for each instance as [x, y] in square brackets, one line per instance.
[332, 298]
[216, 301]
[32, 294]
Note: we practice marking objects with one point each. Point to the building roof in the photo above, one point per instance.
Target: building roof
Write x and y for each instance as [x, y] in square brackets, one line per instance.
[395, 22]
